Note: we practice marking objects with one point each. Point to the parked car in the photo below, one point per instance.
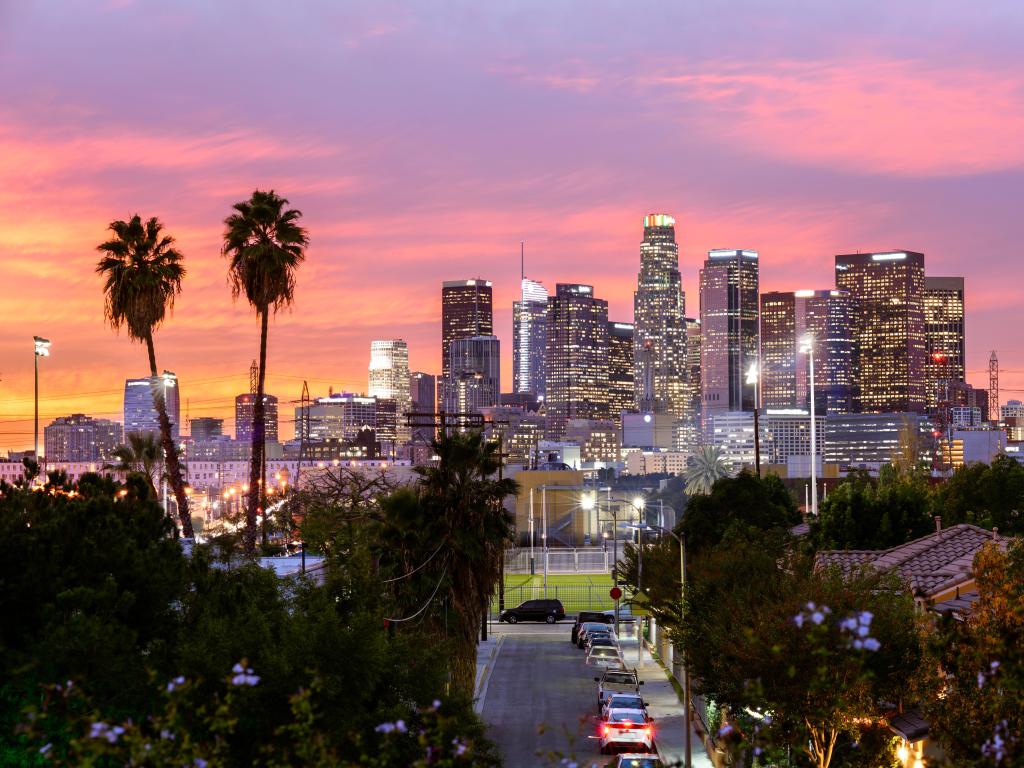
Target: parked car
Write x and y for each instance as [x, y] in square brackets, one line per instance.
[634, 760]
[588, 616]
[625, 614]
[625, 701]
[598, 641]
[622, 728]
[534, 610]
[590, 626]
[613, 682]
[606, 658]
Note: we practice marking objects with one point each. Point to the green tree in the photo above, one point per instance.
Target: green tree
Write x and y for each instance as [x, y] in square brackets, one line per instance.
[745, 502]
[767, 632]
[705, 468]
[142, 273]
[140, 454]
[450, 531]
[987, 495]
[863, 514]
[265, 246]
[977, 692]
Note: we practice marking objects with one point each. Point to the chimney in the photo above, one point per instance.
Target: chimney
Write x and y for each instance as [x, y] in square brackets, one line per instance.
[938, 523]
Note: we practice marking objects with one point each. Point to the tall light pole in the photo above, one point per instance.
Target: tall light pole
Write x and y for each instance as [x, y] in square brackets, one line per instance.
[688, 719]
[752, 378]
[42, 350]
[807, 347]
[639, 502]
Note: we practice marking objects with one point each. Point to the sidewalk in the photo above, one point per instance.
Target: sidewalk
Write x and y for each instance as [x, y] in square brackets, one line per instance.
[486, 653]
[664, 705]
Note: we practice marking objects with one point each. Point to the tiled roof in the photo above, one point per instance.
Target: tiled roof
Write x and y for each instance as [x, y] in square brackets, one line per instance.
[960, 606]
[931, 564]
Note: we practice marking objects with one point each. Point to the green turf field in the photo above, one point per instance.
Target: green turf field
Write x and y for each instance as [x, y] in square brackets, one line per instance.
[578, 592]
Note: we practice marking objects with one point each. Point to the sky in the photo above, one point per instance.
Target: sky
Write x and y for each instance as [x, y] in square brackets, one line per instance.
[423, 141]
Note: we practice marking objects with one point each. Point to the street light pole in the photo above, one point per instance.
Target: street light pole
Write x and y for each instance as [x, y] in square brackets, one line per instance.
[544, 511]
[42, 349]
[753, 376]
[808, 347]
[533, 568]
[688, 718]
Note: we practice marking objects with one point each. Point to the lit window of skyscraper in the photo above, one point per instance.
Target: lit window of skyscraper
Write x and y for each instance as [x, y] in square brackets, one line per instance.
[474, 374]
[889, 337]
[529, 323]
[729, 330]
[243, 417]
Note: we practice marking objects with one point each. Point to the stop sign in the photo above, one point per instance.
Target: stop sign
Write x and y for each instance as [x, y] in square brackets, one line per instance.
[615, 593]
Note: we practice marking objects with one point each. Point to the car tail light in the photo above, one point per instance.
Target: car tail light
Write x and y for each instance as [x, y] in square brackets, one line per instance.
[649, 732]
[605, 730]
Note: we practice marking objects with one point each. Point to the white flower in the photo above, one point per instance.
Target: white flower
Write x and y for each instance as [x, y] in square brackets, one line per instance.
[862, 631]
[45, 748]
[385, 728]
[799, 620]
[400, 726]
[866, 617]
[817, 617]
[871, 644]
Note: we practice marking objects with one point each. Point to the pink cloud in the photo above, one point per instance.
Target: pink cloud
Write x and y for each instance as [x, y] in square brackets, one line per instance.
[870, 115]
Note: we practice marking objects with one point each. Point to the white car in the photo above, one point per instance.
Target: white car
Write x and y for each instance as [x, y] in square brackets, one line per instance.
[634, 760]
[604, 657]
[628, 729]
[624, 701]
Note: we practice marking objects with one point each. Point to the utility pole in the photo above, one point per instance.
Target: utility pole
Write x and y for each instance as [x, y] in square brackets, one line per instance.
[993, 387]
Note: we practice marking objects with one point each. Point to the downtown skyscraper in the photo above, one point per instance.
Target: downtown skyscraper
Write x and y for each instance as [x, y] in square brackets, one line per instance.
[787, 319]
[729, 330]
[890, 349]
[529, 337]
[140, 414]
[944, 337]
[389, 380]
[659, 308]
[466, 311]
[576, 363]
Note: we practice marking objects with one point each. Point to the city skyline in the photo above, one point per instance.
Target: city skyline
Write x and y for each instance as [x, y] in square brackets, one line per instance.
[573, 185]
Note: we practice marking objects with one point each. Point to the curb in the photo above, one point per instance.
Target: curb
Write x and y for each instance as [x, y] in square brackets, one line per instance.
[485, 677]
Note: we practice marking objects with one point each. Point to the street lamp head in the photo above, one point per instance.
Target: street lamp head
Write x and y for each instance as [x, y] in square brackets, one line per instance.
[587, 501]
[639, 502]
[42, 346]
[752, 374]
[806, 344]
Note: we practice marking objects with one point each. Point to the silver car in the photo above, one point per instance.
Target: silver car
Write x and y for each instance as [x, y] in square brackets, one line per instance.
[604, 657]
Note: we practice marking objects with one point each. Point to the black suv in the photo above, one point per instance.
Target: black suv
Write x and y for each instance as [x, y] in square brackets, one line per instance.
[535, 610]
[584, 617]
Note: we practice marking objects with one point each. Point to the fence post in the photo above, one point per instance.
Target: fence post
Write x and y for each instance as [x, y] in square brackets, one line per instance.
[576, 559]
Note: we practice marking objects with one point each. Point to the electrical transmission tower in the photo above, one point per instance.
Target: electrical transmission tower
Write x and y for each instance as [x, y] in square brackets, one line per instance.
[993, 386]
[254, 376]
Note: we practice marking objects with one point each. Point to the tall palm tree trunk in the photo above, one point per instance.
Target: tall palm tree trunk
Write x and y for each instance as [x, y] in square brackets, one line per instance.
[170, 450]
[258, 439]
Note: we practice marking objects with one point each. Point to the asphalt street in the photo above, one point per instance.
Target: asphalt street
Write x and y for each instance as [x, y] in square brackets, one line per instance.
[541, 697]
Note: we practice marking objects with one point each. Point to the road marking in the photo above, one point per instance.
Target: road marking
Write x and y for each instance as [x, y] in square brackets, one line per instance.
[478, 707]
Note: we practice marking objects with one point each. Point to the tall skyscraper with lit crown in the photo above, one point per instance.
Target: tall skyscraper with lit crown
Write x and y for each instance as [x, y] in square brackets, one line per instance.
[659, 308]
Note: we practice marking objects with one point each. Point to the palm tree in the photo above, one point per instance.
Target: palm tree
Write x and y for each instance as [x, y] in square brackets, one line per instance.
[265, 246]
[704, 469]
[142, 273]
[140, 454]
[464, 496]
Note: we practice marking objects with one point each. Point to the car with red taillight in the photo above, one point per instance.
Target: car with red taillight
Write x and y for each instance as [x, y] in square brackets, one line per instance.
[628, 729]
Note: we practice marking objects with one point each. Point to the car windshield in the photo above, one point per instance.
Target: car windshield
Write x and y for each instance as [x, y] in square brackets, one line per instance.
[640, 762]
[625, 702]
[602, 650]
[619, 678]
[625, 716]
[591, 626]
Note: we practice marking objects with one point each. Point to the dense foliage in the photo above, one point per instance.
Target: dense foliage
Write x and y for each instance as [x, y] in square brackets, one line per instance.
[977, 696]
[745, 502]
[94, 591]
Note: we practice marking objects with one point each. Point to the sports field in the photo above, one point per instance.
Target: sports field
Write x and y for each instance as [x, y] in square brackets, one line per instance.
[578, 592]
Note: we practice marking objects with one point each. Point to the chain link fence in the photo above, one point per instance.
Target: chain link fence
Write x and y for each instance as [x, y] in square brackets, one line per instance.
[581, 560]
[575, 597]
